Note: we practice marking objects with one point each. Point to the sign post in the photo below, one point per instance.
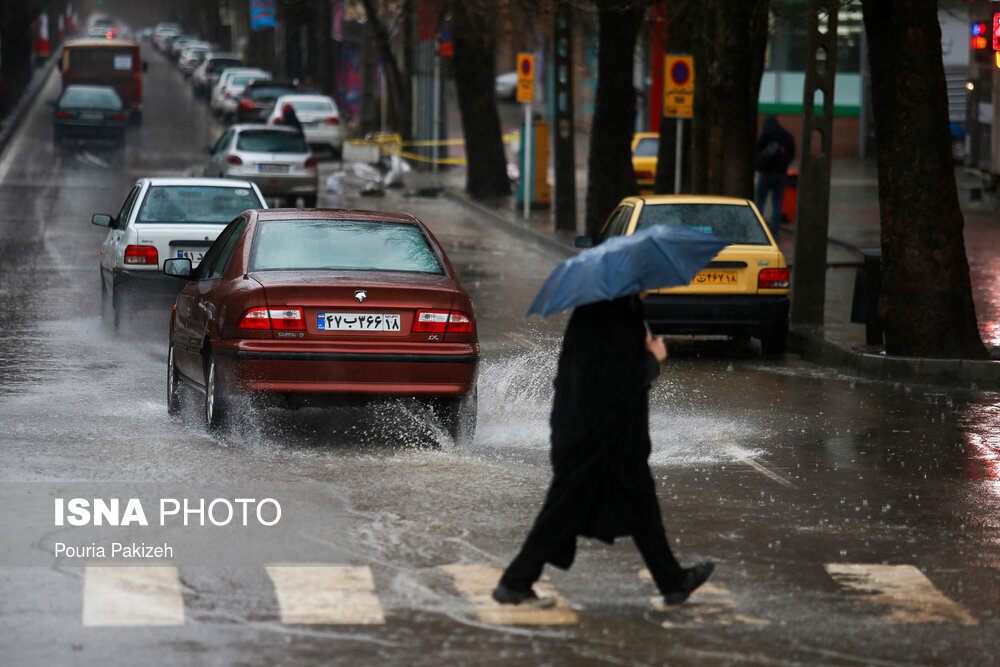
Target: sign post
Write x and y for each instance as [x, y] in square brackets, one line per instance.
[678, 102]
[525, 94]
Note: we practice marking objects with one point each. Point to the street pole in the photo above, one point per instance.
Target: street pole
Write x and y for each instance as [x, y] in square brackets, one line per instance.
[678, 155]
[526, 173]
[565, 151]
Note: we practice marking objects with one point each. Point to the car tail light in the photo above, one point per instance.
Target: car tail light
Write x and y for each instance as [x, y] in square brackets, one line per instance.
[117, 116]
[234, 160]
[310, 162]
[442, 321]
[141, 254]
[772, 279]
[274, 318]
[332, 121]
[276, 120]
[228, 94]
[247, 105]
[644, 175]
[65, 114]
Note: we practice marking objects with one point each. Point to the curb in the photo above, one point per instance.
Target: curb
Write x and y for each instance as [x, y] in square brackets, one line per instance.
[13, 120]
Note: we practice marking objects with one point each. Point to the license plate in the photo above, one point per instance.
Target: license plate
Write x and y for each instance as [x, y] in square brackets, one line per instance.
[194, 255]
[357, 321]
[272, 168]
[91, 116]
[715, 278]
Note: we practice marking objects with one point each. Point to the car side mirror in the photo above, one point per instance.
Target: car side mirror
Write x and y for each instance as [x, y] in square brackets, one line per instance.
[178, 267]
[102, 219]
[583, 242]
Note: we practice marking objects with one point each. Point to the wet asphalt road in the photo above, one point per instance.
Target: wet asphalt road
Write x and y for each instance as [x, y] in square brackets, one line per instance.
[852, 522]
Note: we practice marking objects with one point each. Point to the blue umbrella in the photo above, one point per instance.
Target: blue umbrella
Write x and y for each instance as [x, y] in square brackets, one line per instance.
[656, 257]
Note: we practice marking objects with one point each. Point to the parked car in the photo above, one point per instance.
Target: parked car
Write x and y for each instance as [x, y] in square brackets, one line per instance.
[257, 100]
[89, 112]
[644, 151]
[743, 292]
[162, 218]
[506, 87]
[178, 43]
[276, 158]
[162, 31]
[191, 56]
[319, 117]
[230, 86]
[323, 305]
[206, 75]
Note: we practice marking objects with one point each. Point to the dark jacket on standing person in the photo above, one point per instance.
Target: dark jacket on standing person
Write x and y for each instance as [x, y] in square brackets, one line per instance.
[775, 147]
[602, 486]
[290, 118]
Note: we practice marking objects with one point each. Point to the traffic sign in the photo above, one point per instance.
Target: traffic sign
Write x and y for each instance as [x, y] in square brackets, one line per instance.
[525, 77]
[678, 87]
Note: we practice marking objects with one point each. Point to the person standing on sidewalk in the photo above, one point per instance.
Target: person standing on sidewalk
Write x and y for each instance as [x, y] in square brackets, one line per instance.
[602, 486]
[775, 151]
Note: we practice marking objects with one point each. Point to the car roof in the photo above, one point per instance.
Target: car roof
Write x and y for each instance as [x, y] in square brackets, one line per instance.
[88, 86]
[195, 180]
[224, 54]
[293, 97]
[103, 42]
[334, 214]
[242, 127]
[689, 199]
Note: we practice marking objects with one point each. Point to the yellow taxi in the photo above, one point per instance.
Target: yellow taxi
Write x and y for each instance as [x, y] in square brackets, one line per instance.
[644, 148]
[743, 292]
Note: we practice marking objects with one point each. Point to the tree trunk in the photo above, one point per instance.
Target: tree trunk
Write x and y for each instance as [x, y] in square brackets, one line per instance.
[475, 69]
[609, 165]
[397, 81]
[926, 300]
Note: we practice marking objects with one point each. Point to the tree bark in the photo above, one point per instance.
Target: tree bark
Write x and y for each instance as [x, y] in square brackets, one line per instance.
[475, 70]
[610, 177]
[926, 301]
[396, 78]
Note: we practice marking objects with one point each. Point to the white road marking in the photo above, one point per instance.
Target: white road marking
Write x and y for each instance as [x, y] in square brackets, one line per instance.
[89, 158]
[711, 604]
[132, 596]
[476, 582]
[326, 594]
[912, 595]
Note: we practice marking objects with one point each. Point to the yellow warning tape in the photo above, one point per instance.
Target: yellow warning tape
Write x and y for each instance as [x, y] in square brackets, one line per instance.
[393, 145]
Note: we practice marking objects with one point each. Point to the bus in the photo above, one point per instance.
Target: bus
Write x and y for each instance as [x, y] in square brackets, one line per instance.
[106, 62]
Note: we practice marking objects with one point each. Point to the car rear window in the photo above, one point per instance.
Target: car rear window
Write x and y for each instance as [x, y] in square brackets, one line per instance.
[95, 98]
[313, 106]
[647, 147]
[269, 92]
[195, 203]
[343, 245]
[734, 222]
[271, 141]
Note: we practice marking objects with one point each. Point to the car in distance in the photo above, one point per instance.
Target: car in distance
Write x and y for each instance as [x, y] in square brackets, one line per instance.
[743, 292]
[161, 218]
[206, 75]
[225, 95]
[319, 117]
[257, 100]
[506, 86]
[644, 150]
[275, 157]
[306, 306]
[89, 112]
[191, 56]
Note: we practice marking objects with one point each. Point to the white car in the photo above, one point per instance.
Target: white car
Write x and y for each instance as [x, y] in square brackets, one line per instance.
[319, 117]
[226, 93]
[192, 55]
[162, 31]
[206, 75]
[506, 86]
[159, 219]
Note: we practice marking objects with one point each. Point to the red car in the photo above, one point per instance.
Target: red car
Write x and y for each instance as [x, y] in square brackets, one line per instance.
[308, 304]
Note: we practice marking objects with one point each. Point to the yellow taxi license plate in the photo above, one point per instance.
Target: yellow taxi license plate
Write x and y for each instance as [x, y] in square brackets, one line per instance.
[715, 278]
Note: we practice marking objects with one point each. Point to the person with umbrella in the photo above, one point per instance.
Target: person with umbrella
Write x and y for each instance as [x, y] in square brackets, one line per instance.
[602, 486]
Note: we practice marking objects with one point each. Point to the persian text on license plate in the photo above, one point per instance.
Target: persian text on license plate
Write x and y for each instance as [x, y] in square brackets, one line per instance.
[194, 255]
[357, 322]
[91, 116]
[273, 168]
[715, 278]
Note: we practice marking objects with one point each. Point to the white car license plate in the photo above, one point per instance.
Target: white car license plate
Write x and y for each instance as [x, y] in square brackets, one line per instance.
[194, 255]
[357, 322]
[91, 116]
[273, 168]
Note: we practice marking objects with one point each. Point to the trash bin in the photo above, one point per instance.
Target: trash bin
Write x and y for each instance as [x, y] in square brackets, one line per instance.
[867, 287]
[791, 197]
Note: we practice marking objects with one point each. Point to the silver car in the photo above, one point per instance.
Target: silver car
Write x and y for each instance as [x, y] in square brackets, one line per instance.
[159, 219]
[274, 157]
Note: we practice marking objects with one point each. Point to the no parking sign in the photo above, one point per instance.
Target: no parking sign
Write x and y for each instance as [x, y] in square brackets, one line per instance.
[678, 87]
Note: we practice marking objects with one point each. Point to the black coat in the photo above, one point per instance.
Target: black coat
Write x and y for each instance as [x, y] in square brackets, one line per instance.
[767, 160]
[602, 486]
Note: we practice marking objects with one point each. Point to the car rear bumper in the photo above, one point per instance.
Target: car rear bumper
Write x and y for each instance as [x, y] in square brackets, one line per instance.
[407, 369]
[91, 131]
[730, 315]
[147, 289]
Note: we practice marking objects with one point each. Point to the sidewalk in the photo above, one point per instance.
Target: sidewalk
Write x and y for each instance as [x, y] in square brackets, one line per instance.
[854, 223]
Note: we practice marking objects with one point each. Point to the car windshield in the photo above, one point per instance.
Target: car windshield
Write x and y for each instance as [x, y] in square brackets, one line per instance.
[313, 106]
[271, 141]
[734, 222]
[94, 98]
[195, 203]
[219, 64]
[646, 147]
[243, 79]
[343, 245]
[268, 92]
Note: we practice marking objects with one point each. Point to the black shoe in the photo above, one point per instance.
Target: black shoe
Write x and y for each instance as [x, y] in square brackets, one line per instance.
[528, 598]
[693, 578]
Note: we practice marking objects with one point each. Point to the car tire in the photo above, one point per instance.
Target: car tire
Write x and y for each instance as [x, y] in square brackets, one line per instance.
[216, 408]
[117, 305]
[173, 384]
[458, 417]
[775, 341]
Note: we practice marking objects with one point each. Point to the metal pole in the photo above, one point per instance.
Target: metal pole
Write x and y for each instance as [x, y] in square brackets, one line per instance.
[526, 173]
[678, 154]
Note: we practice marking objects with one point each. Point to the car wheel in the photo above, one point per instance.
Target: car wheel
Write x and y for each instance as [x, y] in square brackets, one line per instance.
[173, 384]
[309, 201]
[215, 399]
[117, 305]
[458, 416]
[775, 341]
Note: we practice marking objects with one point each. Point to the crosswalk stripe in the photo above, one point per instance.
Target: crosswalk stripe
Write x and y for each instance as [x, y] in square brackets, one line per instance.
[912, 595]
[326, 594]
[711, 604]
[132, 596]
[477, 582]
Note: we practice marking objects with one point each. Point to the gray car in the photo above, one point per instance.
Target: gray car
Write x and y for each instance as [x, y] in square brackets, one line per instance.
[274, 157]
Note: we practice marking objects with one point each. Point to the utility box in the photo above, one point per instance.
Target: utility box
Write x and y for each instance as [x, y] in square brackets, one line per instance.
[539, 190]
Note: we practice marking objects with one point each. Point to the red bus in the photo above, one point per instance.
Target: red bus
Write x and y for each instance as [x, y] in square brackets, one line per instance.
[106, 62]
